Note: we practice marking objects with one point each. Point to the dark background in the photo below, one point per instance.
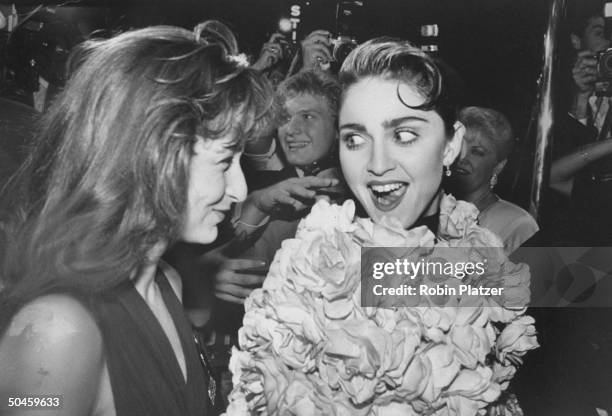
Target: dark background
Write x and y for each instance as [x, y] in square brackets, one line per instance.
[496, 45]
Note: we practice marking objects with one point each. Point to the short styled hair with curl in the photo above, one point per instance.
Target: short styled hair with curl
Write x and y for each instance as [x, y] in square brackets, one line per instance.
[492, 125]
[399, 60]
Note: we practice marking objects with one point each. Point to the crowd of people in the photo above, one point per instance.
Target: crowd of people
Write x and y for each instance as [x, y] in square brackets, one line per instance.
[167, 172]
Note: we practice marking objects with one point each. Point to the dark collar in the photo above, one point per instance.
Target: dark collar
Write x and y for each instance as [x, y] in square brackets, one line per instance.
[431, 221]
[320, 165]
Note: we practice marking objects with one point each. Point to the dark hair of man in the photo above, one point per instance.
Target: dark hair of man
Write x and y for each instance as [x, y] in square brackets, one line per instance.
[579, 12]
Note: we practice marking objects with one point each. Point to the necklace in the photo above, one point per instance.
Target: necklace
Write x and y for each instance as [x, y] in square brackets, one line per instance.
[212, 384]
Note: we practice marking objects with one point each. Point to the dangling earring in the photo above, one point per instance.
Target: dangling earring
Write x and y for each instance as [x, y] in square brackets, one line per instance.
[493, 181]
[447, 171]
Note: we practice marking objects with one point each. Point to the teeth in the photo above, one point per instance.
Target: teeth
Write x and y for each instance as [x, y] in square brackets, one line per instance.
[387, 188]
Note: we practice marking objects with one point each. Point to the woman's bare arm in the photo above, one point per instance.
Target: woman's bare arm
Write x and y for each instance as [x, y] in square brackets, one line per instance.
[52, 347]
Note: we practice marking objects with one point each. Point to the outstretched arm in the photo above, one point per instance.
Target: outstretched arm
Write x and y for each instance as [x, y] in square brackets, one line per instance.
[564, 169]
[296, 194]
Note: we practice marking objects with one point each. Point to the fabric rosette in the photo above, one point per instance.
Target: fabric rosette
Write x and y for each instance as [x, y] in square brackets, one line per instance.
[308, 347]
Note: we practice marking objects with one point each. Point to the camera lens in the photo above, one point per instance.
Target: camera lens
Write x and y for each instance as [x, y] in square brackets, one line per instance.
[342, 47]
[605, 64]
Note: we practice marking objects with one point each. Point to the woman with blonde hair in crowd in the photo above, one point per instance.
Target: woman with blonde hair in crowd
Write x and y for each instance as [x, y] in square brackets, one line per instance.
[487, 144]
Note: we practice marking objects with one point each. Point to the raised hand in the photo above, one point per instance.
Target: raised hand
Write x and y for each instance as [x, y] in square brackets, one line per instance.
[584, 71]
[296, 193]
[233, 278]
[316, 50]
[271, 52]
[237, 278]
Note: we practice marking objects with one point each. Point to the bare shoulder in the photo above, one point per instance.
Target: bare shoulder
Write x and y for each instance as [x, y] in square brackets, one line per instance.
[53, 346]
[53, 319]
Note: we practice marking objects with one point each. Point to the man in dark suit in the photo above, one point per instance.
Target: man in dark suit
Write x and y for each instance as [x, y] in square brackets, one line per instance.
[582, 151]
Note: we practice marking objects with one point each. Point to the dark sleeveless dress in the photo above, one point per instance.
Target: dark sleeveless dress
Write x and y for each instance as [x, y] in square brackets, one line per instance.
[145, 376]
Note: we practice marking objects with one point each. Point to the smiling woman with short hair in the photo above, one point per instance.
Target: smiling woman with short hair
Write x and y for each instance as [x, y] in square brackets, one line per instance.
[487, 144]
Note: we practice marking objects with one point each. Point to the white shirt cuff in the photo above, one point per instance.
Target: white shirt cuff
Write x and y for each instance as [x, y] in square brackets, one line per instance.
[267, 161]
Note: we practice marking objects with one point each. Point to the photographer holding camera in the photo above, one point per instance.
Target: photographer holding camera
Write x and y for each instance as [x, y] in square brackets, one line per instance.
[318, 51]
[271, 52]
[582, 155]
[262, 155]
[316, 54]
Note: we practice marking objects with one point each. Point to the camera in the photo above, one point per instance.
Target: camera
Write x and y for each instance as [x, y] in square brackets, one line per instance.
[341, 47]
[603, 83]
[349, 15]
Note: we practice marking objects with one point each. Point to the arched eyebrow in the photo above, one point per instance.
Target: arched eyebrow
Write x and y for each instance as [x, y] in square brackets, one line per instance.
[387, 124]
[354, 126]
[391, 124]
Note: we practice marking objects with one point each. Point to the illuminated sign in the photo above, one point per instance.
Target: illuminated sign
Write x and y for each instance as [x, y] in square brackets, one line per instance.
[295, 13]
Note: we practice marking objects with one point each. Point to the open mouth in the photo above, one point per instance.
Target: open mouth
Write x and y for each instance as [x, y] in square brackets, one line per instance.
[293, 146]
[387, 196]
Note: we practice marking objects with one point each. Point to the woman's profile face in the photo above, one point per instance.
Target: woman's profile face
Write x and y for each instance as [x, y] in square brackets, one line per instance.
[392, 156]
[215, 182]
